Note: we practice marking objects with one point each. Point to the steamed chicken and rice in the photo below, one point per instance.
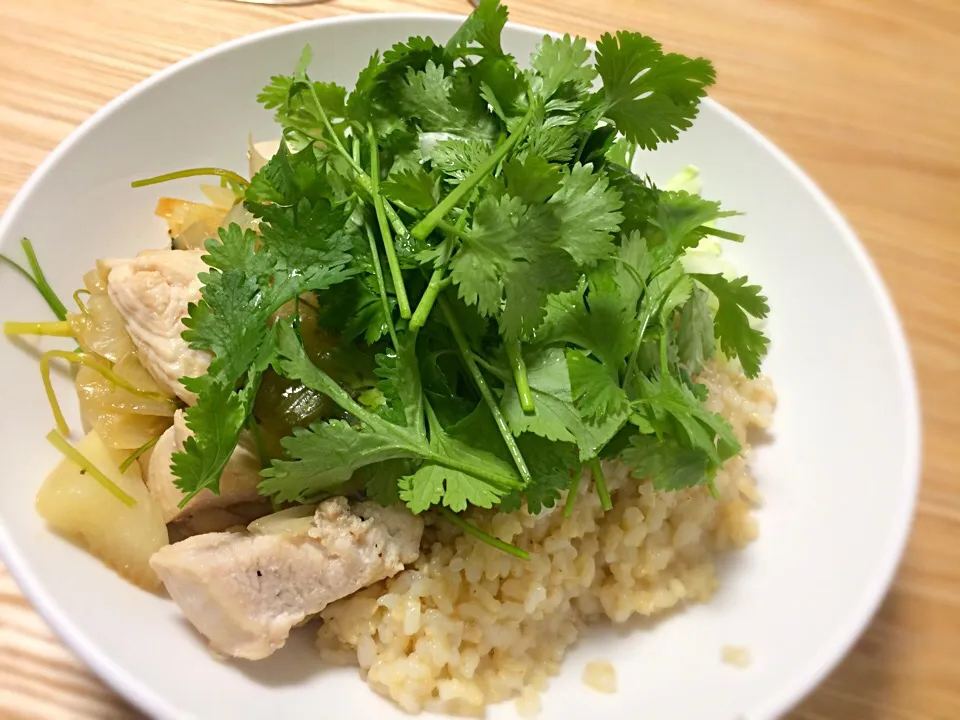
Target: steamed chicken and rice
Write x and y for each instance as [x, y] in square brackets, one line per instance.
[245, 575]
[444, 583]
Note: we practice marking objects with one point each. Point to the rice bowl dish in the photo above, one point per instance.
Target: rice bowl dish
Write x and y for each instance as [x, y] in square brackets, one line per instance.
[455, 580]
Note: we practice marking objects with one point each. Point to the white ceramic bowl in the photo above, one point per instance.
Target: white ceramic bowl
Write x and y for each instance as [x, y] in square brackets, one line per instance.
[839, 476]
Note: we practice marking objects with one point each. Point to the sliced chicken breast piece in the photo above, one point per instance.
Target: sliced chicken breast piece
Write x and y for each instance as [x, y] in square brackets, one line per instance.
[245, 591]
[152, 292]
[237, 503]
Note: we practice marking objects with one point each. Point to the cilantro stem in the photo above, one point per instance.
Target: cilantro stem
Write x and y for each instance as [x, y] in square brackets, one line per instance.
[663, 351]
[316, 379]
[428, 299]
[471, 529]
[583, 144]
[515, 355]
[60, 328]
[37, 279]
[485, 391]
[632, 362]
[132, 457]
[436, 283]
[355, 151]
[230, 175]
[14, 265]
[40, 280]
[381, 285]
[723, 234]
[572, 495]
[329, 127]
[402, 301]
[364, 181]
[600, 483]
[88, 468]
[426, 226]
[455, 230]
[262, 454]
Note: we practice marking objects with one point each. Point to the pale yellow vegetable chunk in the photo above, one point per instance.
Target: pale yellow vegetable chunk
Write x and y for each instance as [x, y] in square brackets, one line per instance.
[128, 431]
[77, 506]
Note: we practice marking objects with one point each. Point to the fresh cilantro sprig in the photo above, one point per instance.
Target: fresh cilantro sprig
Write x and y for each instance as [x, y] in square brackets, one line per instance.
[244, 287]
[326, 455]
[476, 226]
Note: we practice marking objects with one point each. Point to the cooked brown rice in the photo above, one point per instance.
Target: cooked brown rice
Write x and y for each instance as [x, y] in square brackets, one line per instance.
[470, 625]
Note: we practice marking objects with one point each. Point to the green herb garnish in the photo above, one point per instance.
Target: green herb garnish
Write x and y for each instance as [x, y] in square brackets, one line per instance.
[485, 239]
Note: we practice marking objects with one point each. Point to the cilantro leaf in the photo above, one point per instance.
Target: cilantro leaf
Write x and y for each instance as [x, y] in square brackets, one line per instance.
[527, 287]
[399, 381]
[648, 95]
[597, 145]
[665, 399]
[505, 238]
[242, 290]
[549, 381]
[588, 210]
[560, 61]
[554, 138]
[695, 339]
[325, 456]
[667, 464]
[286, 178]
[556, 416]
[426, 95]
[732, 326]
[375, 99]
[593, 319]
[294, 99]
[435, 485]
[414, 187]
[215, 422]
[458, 158]
[381, 480]
[501, 84]
[639, 197]
[532, 179]
[681, 218]
[354, 310]
[596, 391]
[553, 466]
[633, 269]
[483, 27]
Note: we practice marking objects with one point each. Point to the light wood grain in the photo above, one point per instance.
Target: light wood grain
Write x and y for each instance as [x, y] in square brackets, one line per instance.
[865, 94]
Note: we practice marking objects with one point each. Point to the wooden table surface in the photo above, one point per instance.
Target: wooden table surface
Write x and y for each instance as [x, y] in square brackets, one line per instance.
[864, 94]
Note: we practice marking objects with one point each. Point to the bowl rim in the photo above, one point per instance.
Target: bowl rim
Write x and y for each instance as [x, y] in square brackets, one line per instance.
[795, 687]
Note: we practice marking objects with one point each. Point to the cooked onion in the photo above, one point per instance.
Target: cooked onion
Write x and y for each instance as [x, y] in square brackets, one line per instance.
[292, 521]
[190, 223]
[260, 153]
[221, 197]
[127, 431]
[98, 396]
[101, 329]
[241, 216]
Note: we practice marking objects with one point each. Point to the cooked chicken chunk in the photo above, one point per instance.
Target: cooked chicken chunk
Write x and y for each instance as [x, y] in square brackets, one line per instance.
[245, 591]
[152, 292]
[237, 503]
